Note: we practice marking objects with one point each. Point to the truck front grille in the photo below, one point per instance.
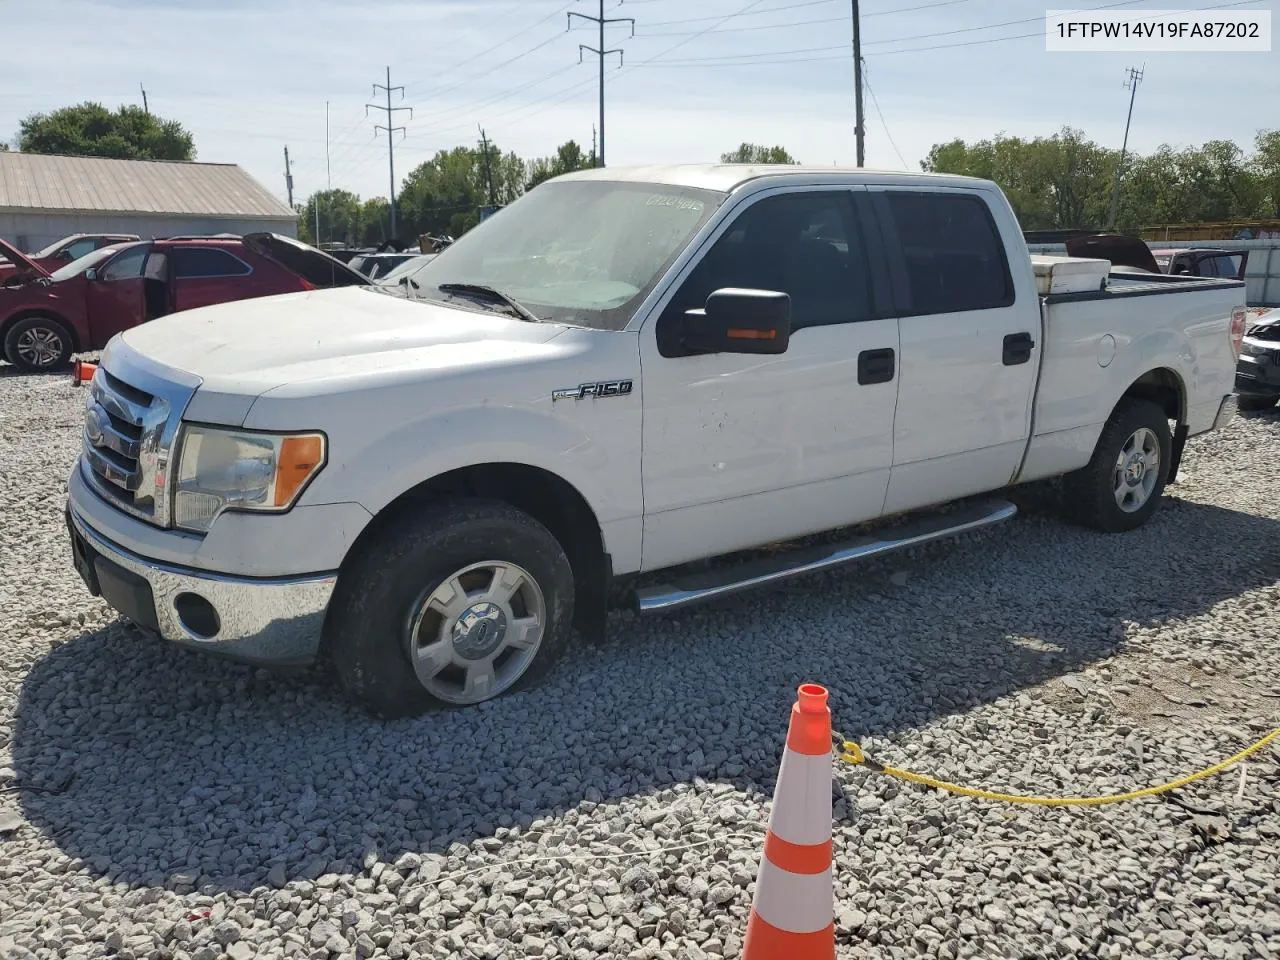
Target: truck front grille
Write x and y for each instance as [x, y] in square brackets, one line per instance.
[124, 446]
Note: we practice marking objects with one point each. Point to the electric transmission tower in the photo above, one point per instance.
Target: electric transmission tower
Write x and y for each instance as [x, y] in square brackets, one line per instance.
[601, 21]
[391, 129]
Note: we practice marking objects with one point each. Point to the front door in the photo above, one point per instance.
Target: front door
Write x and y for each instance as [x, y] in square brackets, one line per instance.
[114, 299]
[970, 345]
[742, 450]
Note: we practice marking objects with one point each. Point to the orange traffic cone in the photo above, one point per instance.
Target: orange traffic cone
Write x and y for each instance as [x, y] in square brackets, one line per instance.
[791, 916]
[84, 372]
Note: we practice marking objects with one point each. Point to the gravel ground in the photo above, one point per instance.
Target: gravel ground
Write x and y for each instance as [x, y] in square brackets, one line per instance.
[198, 809]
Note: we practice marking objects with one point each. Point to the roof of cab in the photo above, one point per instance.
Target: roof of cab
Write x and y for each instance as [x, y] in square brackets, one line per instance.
[727, 177]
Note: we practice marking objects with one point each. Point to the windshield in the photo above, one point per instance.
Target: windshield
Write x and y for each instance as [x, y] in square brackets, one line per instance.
[580, 252]
[76, 267]
[48, 251]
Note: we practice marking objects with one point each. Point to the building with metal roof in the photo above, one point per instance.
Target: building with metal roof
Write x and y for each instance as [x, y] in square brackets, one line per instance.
[45, 198]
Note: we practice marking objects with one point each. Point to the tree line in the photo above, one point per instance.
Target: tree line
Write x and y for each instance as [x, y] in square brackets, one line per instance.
[1062, 181]
[445, 194]
[1065, 181]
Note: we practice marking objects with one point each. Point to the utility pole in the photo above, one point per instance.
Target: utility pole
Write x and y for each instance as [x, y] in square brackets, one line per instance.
[327, 172]
[601, 21]
[391, 128]
[288, 177]
[488, 171]
[593, 144]
[145, 109]
[859, 128]
[1134, 78]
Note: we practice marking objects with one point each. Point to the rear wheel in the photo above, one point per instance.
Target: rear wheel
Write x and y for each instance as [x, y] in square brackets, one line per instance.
[38, 344]
[455, 604]
[1121, 486]
[1254, 404]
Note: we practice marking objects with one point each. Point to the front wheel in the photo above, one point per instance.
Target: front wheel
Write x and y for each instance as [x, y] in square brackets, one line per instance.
[1121, 486]
[38, 344]
[454, 604]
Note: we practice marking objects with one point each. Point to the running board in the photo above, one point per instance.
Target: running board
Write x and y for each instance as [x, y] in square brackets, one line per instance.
[698, 587]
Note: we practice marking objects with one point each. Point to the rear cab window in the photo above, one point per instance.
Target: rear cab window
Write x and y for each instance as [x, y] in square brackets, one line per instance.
[951, 250]
[192, 263]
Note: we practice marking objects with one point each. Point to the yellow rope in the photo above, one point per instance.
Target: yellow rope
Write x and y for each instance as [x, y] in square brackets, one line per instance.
[852, 753]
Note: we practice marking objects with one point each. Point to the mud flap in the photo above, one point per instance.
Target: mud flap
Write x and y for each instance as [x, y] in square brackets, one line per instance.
[1179, 444]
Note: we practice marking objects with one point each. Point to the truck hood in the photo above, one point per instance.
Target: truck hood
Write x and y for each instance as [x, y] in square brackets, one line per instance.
[337, 338]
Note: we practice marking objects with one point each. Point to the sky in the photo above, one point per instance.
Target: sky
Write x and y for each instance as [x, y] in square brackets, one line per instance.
[248, 77]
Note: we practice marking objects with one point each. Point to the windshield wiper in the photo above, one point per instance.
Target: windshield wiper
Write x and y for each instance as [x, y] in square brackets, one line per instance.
[486, 291]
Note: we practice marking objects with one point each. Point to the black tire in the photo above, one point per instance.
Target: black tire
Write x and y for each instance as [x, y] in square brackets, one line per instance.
[1090, 494]
[383, 587]
[1256, 404]
[51, 332]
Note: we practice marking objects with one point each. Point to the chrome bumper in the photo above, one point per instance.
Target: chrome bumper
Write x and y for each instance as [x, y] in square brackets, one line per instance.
[275, 621]
[1230, 405]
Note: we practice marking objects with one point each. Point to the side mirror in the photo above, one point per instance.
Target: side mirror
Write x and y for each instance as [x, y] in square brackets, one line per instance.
[91, 274]
[739, 321]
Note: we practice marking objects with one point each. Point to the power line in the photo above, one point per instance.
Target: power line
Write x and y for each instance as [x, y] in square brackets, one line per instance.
[876, 103]
[391, 128]
[496, 46]
[601, 21]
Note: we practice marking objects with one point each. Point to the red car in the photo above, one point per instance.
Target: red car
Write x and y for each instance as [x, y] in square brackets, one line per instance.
[64, 251]
[81, 306]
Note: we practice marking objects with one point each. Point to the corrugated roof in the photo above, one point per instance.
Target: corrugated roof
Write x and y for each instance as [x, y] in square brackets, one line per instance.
[31, 181]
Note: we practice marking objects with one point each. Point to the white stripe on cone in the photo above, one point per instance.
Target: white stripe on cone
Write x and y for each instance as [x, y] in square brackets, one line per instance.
[802, 800]
[794, 902]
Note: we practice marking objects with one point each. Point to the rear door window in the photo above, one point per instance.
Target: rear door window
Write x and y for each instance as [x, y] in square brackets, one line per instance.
[196, 262]
[952, 251]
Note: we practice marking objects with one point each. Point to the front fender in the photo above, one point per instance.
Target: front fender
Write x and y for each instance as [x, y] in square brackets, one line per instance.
[597, 452]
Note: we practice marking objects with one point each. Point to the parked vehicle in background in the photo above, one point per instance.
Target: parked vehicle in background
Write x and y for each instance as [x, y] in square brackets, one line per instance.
[376, 265]
[641, 371]
[397, 275]
[1229, 264]
[61, 253]
[1258, 372]
[81, 306]
[1133, 252]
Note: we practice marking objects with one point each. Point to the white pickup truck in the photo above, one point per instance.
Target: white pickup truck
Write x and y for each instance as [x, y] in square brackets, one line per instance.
[627, 374]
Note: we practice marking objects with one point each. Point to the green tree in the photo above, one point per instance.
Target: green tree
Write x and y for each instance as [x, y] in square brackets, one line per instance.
[91, 130]
[755, 153]
[341, 218]
[568, 158]
[1266, 168]
[375, 221]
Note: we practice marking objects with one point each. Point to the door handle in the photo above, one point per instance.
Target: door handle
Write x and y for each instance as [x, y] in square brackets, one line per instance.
[875, 366]
[1017, 349]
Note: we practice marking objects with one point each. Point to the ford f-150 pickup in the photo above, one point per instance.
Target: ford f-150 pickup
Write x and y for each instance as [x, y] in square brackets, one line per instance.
[617, 388]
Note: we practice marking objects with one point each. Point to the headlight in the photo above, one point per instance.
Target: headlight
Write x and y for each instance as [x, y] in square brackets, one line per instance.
[236, 470]
[1253, 349]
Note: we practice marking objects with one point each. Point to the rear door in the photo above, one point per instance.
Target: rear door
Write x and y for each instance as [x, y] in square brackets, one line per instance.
[205, 275]
[114, 298]
[969, 343]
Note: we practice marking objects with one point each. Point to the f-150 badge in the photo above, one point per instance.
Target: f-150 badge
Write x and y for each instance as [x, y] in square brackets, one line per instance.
[604, 388]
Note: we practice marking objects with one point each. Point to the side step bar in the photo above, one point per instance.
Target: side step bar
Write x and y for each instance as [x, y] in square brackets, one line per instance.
[708, 585]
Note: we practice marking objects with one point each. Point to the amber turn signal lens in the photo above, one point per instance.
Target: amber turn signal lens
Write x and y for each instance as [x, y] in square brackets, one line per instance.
[734, 334]
[300, 458]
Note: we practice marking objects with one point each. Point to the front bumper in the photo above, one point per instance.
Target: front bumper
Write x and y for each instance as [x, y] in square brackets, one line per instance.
[270, 621]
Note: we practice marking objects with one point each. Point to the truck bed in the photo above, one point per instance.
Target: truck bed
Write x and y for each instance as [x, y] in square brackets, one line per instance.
[1099, 342]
